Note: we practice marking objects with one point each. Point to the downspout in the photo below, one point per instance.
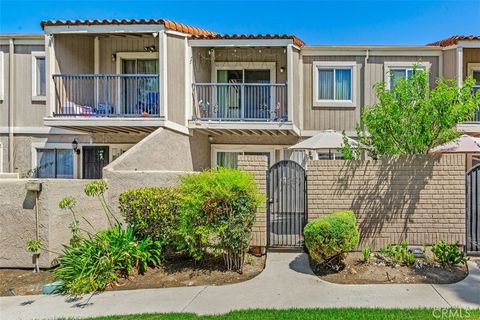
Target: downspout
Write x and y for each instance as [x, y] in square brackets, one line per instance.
[11, 100]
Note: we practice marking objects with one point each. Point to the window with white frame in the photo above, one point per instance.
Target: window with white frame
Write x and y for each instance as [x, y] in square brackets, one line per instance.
[474, 71]
[2, 76]
[334, 83]
[54, 163]
[396, 71]
[39, 83]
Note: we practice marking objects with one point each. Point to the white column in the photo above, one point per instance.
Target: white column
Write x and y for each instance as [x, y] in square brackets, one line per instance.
[290, 81]
[50, 62]
[96, 55]
[459, 66]
[162, 51]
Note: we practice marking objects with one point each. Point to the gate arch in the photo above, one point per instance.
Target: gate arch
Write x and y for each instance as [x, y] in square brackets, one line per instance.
[287, 204]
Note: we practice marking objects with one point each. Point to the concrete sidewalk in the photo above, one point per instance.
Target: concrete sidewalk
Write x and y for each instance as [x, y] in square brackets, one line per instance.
[286, 282]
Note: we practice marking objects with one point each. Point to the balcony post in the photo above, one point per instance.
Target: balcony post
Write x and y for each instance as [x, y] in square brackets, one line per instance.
[242, 101]
[289, 82]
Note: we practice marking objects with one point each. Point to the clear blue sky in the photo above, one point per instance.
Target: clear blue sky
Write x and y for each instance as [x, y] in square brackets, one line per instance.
[315, 22]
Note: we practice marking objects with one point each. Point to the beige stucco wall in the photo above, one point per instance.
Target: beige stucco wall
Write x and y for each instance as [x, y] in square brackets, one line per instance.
[17, 219]
[166, 150]
[420, 199]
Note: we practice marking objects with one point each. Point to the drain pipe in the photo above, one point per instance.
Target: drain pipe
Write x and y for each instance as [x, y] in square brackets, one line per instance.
[11, 100]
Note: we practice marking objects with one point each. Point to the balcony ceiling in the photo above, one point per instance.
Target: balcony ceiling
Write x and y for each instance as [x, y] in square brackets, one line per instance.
[239, 128]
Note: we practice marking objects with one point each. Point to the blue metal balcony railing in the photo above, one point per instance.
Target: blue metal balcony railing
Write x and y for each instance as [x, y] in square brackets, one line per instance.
[240, 101]
[107, 95]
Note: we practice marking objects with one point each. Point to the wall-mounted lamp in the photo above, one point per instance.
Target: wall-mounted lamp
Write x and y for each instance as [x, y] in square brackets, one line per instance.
[149, 48]
[114, 57]
[210, 138]
[282, 69]
[75, 146]
[211, 51]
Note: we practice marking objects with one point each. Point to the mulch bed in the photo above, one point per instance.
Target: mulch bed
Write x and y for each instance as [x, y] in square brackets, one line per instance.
[352, 270]
[176, 271]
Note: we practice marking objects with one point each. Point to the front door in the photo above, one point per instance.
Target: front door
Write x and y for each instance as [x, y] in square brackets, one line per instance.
[94, 159]
[286, 204]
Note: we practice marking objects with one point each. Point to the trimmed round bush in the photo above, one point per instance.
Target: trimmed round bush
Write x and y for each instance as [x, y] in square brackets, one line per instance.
[331, 235]
[152, 212]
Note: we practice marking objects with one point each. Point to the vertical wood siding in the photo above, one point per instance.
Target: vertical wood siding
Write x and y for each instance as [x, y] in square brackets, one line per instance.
[470, 55]
[27, 113]
[73, 53]
[346, 118]
[450, 64]
[109, 46]
[202, 65]
[176, 78]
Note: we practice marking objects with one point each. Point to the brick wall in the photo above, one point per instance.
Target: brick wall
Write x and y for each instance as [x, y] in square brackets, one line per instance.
[258, 166]
[420, 199]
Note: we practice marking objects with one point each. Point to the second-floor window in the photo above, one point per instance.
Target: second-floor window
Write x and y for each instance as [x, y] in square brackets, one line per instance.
[39, 87]
[334, 83]
[396, 71]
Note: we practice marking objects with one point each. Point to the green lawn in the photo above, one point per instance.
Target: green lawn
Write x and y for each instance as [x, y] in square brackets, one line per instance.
[327, 314]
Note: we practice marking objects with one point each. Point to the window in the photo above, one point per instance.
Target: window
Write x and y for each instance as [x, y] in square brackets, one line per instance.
[39, 87]
[396, 71]
[54, 163]
[228, 158]
[474, 71]
[400, 74]
[334, 83]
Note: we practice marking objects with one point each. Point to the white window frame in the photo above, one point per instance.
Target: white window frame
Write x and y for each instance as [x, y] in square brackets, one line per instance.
[35, 56]
[472, 67]
[2, 79]
[387, 66]
[335, 65]
[216, 148]
[51, 146]
[244, 66]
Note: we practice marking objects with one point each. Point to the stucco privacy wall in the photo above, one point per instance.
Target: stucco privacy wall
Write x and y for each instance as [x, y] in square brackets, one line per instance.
[17, 218]
[258, 166]
[420, 199]
[166, 150]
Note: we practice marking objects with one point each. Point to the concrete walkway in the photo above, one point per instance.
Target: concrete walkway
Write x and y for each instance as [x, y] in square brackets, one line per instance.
[286, 282]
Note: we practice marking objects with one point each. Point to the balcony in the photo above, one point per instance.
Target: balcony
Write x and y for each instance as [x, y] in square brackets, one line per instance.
[240, 102]
[96, 102]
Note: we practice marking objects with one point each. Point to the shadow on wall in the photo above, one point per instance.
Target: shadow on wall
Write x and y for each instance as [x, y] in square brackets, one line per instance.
[384, 194]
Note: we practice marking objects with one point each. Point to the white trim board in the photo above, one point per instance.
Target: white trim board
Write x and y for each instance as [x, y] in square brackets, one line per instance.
[48, 145]
[115, 29]
[2, 77]
[241, 43]
[353, 65]
[387, 65]
[35, 55]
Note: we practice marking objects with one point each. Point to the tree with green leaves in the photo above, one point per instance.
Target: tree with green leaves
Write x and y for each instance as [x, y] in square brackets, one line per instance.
[411, 118]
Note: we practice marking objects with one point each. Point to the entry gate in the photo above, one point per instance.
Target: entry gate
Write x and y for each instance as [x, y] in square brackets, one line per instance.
[473, 210]
[287, 203]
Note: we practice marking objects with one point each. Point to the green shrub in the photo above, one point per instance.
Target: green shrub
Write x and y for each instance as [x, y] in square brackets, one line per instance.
[448, 254]
[367, 252]
[152, 212]
[94, 263]
[399, 253]
[216, 212]
[331, 235]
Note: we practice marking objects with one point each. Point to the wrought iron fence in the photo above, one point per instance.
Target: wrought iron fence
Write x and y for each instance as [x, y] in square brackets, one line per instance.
[104, 95]
[240, 101]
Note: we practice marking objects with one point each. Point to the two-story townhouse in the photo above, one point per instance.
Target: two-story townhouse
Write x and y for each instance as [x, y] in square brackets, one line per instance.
[188, 98]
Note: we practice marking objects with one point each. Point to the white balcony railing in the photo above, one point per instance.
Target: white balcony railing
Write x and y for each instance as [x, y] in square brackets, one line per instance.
[106, 95]
[240, 101]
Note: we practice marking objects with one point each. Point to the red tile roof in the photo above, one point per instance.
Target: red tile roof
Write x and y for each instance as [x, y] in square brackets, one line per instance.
[453, 41]
[172, 25]
[297, 41]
